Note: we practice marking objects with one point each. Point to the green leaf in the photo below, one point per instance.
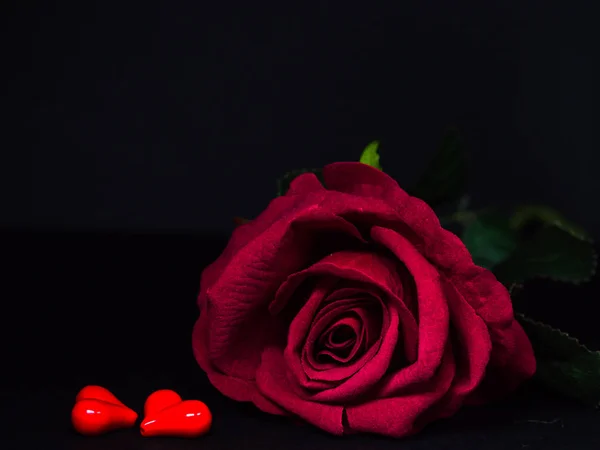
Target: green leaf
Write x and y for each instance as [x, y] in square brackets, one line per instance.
[370, 155]
[526, 214]
[445, 178]
[564, 365]
[490, 239]
[550, 253]
[283, 183]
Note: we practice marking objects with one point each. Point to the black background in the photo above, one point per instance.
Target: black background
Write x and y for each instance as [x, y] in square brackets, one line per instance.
[133, 133]
[178, 116]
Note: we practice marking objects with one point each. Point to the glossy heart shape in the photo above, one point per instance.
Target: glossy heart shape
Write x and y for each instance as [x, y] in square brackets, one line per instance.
[98, 411]
[159, 400]
[167, 415]
[98, 393]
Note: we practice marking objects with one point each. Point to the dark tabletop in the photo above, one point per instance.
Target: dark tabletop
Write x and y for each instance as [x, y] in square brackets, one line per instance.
[117, 310]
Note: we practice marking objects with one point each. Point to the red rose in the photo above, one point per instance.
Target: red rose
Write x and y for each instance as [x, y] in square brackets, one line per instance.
[352, 308]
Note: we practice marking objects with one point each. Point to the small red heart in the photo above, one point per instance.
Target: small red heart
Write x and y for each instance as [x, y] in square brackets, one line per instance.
[98, 411]
[167, 415]
[98, 393]
[159, 400]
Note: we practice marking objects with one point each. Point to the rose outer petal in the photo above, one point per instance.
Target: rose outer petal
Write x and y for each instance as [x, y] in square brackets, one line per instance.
[512, 360]
[235, 388]
[280, 209]
[511, 363]
[272, 379]
[472, 353]
[362, 180]
[304, 184]
[433, 314]
[237, 302]
[398, 416]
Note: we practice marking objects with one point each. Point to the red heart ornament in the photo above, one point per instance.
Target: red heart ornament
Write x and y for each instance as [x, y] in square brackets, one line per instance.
[98, 411]
[159, 400]
[167, 415]
[98, 393]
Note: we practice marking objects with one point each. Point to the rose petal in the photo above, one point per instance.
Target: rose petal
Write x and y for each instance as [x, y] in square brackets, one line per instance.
[341, 336]
[433, 314]
[349, 330]
[273, 382]
[400, 416]
[472, 353]
[279, 209]
[364, 266]
[305, 184]
[375, 361]
[363, 181]
[337, 373]
[512, 360]
[511, 363]
[436, 243]
[311, 347]
[352, 389]
[371, 332]
[362, 309]
[300, 327]
[235, 388]
[296, 356]
[512, 357]
[369, 269]
[240, 323]
[348, 290]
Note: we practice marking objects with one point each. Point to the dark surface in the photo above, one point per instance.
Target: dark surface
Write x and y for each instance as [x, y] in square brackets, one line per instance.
[117, 310]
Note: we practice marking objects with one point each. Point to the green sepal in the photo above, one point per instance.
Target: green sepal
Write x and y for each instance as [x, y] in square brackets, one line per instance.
[564, 365]
[370, 155]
